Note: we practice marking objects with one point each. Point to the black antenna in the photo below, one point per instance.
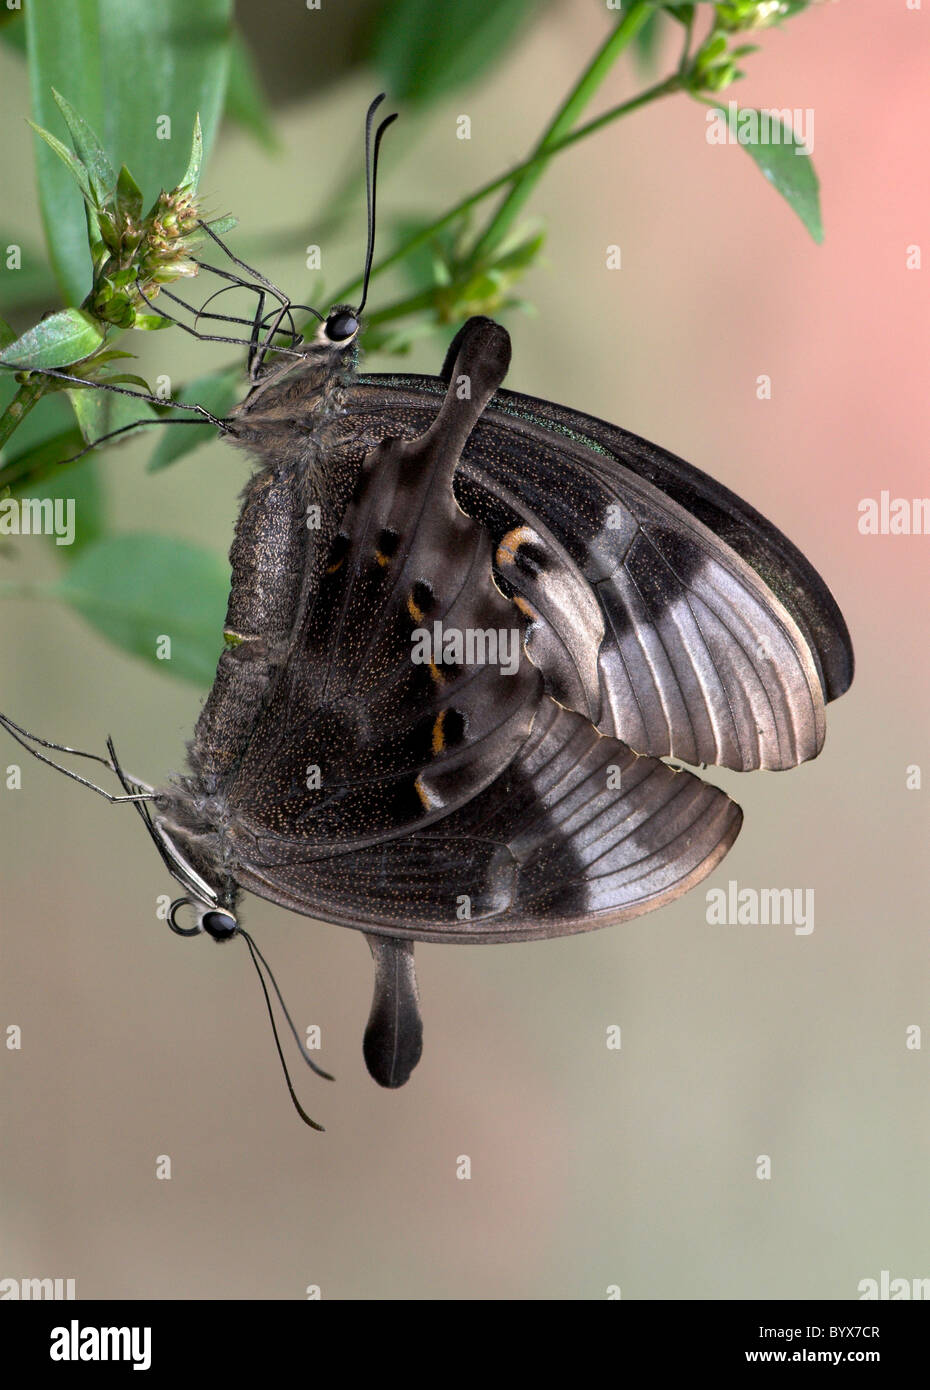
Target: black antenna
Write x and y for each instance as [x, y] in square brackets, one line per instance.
[127, 782]
[256, 955]
[138, 793]
[371, 183]
[303, 1051]
[265, 326]
[172, 862]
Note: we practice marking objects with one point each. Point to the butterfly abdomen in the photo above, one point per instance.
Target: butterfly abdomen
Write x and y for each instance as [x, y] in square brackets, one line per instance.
[290, 514]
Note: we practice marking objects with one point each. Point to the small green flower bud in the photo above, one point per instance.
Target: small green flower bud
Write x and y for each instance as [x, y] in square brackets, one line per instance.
[734, 15]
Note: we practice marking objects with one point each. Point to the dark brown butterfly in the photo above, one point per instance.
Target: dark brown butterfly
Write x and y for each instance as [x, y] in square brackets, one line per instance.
[465, 628]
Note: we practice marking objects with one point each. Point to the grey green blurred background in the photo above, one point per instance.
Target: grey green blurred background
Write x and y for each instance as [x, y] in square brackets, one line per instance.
[590, 1167]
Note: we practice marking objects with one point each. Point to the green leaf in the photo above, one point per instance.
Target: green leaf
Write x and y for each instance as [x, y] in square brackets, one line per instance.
[140, 588]
[715, 47]
[129, 379]
[80, 484]
[418, 59]
[36, 460]
[784, 161]
[222, 225]
[88, 149]
[428, 263]
[99, 412]
[218, 393]
[245, 100]
[69, 159]
[7, 335]
[192, 174]
[647, 41]
[520, 249]
[151, 323]
[111, 355]
[58, 341]
[125, 64]
[129, 198]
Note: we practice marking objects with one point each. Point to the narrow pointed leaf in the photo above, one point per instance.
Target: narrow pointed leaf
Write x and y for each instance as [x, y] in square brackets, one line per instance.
[69, 159]
[785, 162]
[137, 72]
[128, 194]
[89, 150]
[222, 225]
[192, 175]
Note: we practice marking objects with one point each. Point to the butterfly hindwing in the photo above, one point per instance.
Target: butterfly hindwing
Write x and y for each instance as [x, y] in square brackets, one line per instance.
[576, 833]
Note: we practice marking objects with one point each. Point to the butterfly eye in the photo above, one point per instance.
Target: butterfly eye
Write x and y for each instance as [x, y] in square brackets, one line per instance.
[341, 326]
[220, 925]
[214, 921]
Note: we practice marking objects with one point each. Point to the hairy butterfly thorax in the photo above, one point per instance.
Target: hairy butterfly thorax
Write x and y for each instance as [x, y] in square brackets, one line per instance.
[465, 628]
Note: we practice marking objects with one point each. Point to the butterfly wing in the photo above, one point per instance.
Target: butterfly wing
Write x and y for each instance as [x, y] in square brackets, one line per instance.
[450, 799]
[663, 607]
[576, 833]
[378, 722]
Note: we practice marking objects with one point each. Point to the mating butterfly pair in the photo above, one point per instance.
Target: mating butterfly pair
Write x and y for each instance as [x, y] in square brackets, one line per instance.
[366, 757]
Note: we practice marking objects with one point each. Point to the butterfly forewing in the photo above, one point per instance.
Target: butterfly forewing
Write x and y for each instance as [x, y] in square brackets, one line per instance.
[698, 657]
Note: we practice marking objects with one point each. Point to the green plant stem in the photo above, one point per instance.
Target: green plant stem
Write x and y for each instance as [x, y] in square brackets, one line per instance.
[19, 408]
[671, 84]
[567, 115]
[686, 46]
